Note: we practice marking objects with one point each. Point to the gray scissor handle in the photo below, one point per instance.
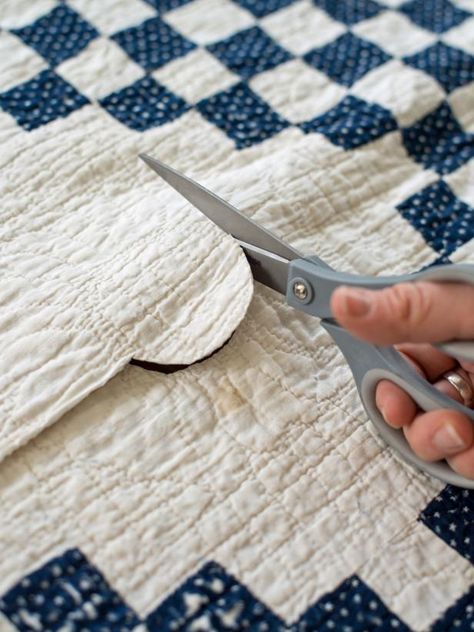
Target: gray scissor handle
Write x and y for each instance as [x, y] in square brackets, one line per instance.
[322, 281]
[370, 364]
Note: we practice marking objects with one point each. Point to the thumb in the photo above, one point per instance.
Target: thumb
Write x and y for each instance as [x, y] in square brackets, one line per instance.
[408, 312]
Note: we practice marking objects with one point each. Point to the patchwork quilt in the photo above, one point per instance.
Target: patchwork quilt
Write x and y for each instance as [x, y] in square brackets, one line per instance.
[179, 449]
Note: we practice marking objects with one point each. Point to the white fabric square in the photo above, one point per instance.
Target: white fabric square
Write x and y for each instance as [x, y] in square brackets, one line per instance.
[109, 16]
[462, 104]
[461, 182]
[461, 36]
[6, 626]
[297, 91]
[18, 62]
[464, 254]
[207, 21]
[101, 68]
[410, 574]
[468, 5]
[302, 27]
[395, 33]
[408, 93]
[195, 76]
[17, 13]
[8, 127]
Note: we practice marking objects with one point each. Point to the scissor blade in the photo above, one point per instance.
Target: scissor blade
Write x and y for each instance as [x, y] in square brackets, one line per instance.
[267, 267]
[221, 212]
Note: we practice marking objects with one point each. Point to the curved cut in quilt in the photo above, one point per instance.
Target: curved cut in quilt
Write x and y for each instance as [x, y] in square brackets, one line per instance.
[101, 262]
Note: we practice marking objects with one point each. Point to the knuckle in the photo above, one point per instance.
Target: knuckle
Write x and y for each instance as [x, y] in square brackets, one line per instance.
[410, 303]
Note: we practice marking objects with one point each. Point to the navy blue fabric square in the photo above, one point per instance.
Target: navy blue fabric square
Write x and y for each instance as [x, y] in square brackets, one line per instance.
[445, 223]
[225, 603]
[435, 15]
[442, 260]
[44, 98]
[347, 59]
[242, 115]
[352, 606]
[451, 67]
[162, 6]
[249, 52]
[144, 104]
[349, 11]
[451, 514]
[58, 35]
[459, 617]
[260, 8]
[153, 43]
[66, 591]
[438, 142]
[352, 123]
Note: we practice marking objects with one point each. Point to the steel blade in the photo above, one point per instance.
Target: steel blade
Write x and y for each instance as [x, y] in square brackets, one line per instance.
[221, 212]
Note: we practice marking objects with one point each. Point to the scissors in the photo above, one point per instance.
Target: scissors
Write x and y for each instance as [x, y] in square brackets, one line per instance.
[307, 283]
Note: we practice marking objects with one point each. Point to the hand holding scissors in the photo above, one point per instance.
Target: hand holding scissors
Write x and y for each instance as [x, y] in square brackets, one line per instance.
[309, 283]
[414, 316]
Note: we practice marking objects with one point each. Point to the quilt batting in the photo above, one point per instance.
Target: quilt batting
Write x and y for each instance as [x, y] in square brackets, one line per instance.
[242, 488]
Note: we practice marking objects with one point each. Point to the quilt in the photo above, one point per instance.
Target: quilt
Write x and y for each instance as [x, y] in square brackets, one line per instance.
[179, 449]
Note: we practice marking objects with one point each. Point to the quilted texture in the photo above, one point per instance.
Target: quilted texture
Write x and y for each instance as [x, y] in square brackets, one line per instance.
[249, 490]
[121, 268]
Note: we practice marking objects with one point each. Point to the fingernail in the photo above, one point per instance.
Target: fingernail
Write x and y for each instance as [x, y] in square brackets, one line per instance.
[448, 440]
[357, 303]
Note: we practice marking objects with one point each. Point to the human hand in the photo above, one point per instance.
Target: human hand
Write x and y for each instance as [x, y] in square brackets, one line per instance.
[410, 316]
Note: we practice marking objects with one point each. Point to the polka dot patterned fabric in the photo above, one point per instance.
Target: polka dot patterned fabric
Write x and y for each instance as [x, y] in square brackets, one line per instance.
[444, 221]
[144, 104]
[459, 617]
[352, 607]
[162, 6]
[435, 15]
[41, 100]
[69, 591]
[451, 515]
[153, 44]
[59, 35]
[352, 123]
[350, 12]
[249, 52]
[438, 141]
[451, 67]
[261, 8]
[347, 59]
[244, 117]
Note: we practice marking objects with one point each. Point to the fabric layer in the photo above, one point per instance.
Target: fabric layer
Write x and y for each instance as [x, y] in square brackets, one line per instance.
[101, 262]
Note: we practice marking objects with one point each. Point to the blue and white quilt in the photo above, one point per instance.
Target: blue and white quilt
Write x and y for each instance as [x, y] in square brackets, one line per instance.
[228, 478]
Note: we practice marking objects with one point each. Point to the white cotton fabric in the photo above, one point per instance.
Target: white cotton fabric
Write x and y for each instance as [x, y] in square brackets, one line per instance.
[101, 262]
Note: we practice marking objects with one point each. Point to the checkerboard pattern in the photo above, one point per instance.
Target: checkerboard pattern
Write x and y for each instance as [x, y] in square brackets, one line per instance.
[69, 590]
[346, 52]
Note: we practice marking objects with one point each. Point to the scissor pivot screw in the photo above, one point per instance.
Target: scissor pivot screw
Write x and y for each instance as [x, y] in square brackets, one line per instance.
[301, 290]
